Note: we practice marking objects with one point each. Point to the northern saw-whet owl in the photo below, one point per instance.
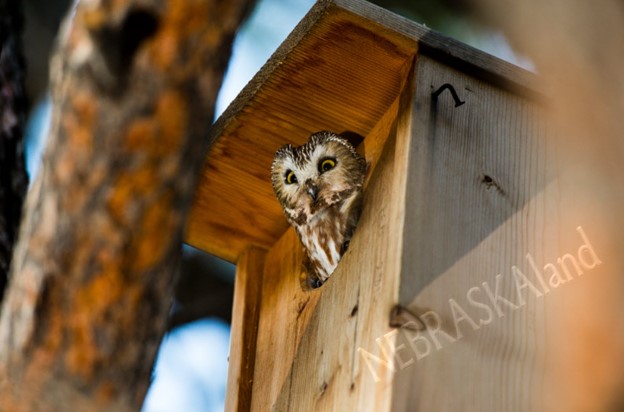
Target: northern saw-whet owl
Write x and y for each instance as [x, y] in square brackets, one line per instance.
[319, 185]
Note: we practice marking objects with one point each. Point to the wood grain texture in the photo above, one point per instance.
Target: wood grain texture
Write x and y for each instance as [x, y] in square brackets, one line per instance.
[581, 69]
[245, 316]
[474, 166]
[339, 70]
[307, 349]
[482, 196]
[482, 222]
[469, 198]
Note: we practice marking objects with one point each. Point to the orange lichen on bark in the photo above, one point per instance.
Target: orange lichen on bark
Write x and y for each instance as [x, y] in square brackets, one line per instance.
[81, 353]
[141, 134]
[162, 133]
[118, 200]
[93, 19]
[172, 113]
[149, 244]
[143, 180]
[190, 17]
[181, 21]
[122, 200]
[78, 126]
[106, 392]
[164, 51]
[104, 290]
[91, 307]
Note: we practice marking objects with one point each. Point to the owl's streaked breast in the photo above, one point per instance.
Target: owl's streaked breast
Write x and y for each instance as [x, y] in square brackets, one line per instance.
[319, 186]
[323, 239]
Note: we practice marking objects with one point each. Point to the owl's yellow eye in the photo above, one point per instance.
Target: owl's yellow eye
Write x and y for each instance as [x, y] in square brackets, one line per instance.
[326, 165]
[290, 177]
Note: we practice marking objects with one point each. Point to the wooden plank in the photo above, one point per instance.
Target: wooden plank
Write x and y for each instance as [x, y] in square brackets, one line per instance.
[245, 316]
[285, 310]
[477, 165]
[307, 353]
[482, 195]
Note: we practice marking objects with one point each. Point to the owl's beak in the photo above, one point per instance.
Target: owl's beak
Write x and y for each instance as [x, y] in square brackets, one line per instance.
[312, 191]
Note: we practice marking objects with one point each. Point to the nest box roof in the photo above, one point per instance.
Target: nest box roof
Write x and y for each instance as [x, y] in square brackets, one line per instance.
[340, 69]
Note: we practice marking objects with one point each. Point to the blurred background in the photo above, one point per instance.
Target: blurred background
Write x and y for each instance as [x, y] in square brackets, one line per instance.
[190, 372]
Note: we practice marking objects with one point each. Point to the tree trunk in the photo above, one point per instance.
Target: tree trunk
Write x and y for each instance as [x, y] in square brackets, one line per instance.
[13, 177]
[133, 85]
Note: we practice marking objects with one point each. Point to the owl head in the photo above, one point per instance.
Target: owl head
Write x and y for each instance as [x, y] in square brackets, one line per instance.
[316, 175]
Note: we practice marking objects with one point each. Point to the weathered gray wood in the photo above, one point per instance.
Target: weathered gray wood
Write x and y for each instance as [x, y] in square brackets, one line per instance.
[484, 219]
[472, 168]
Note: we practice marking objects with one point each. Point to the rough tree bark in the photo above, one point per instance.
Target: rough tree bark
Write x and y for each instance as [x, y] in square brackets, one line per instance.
[13, 177]
[133, 84]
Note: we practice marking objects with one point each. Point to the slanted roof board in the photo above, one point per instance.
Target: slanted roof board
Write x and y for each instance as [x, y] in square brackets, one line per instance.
[340, 69]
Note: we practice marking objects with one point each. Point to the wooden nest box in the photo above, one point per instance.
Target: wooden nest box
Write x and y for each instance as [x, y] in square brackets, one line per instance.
[455, 143]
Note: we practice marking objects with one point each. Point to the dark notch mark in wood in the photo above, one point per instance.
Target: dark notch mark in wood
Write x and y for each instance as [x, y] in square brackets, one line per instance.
[354, 311]
[401, 317]
[323, 388]
[489, 182]
[301, 307]
[329, 381]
